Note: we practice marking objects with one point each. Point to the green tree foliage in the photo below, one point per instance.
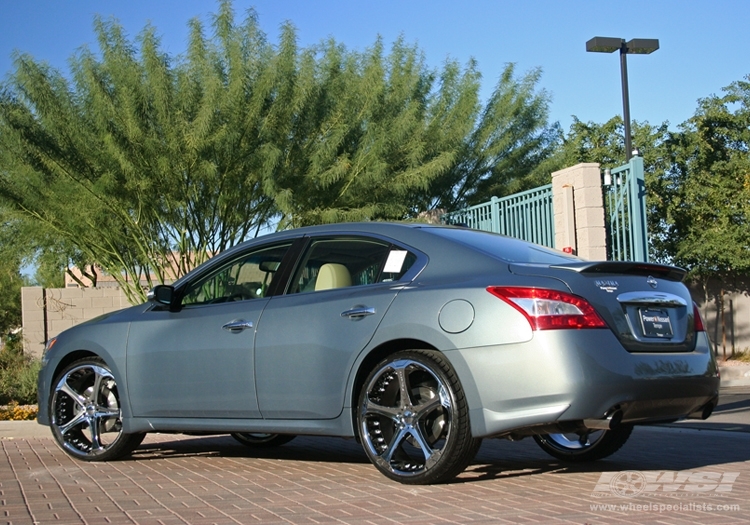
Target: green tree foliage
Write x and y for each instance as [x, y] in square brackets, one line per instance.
[605, 145]
[11, 282]
[710, 211]
[147, 164]
[697, 180]
[135, 164]
[505, 146]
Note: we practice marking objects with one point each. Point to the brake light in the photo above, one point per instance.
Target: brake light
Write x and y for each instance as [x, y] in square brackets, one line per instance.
[550, 309]
[697, 319]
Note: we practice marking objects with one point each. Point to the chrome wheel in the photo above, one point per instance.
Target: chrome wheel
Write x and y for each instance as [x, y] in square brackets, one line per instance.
[413, 419]
[261, 440]
[85, 413]
[585, 445]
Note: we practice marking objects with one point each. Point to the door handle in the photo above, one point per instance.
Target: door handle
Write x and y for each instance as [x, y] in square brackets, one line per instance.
[358, 312]
[237, 326]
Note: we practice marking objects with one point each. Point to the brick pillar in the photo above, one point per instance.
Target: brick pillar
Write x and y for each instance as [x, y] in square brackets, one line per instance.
[578, 204]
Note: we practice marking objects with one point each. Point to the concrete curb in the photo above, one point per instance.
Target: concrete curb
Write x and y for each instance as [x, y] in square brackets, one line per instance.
[23, 429]
[735, 375]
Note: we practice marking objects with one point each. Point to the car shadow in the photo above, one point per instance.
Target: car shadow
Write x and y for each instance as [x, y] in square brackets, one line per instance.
[647, 450]
[302, 448]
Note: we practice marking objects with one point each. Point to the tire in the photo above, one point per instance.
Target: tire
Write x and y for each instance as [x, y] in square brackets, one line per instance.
[260, 440]
[86, 414]
[413, 419]
[589, 446]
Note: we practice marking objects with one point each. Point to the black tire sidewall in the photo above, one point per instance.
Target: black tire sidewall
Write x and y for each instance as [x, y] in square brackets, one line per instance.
[274, 440]
[459, 446]
[123, 445]
[609, 443]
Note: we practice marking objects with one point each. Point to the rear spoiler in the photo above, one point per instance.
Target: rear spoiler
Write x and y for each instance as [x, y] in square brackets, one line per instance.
[671, 273]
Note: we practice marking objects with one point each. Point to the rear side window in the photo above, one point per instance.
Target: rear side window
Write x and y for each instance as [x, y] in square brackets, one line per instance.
[506, 248]
[339, 263]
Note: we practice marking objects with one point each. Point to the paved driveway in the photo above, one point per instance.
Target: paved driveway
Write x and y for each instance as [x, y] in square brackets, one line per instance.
[685, 473]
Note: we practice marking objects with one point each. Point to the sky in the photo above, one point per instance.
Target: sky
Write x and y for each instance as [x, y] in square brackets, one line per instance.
[703, 44]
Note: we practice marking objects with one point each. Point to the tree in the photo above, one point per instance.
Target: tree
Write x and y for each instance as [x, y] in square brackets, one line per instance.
[145, 165]
[711, 223]
[605, 144]
[505, 146]
[363, 134]
[11, 282]
[709, 214]
[139, 167]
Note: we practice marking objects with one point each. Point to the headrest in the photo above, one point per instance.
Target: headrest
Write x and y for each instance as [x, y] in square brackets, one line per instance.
[332, 275]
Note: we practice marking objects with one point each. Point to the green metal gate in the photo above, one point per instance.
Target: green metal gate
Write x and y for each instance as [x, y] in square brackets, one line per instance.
[527, 215]
[625, 201]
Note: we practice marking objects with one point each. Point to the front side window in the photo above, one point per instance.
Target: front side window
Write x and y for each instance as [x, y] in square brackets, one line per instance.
[339, 263]
[247, 277]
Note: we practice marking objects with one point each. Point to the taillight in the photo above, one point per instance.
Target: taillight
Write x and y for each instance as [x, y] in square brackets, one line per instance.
[549, 309]
[697, 319]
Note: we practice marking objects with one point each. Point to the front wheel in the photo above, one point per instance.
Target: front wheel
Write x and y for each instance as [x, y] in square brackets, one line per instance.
[86, 417]
[585, 446]
[414, 420]
[259, 440]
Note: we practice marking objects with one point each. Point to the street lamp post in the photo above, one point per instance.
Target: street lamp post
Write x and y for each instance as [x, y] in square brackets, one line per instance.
[636, 46]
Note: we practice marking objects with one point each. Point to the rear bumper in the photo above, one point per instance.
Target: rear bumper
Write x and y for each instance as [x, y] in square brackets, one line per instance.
[567, 376]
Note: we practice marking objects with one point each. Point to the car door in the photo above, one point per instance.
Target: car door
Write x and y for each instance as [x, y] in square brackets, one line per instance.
[198, 361]
[309, 337]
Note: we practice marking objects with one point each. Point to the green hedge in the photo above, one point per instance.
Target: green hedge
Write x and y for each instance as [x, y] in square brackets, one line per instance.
[18, 374]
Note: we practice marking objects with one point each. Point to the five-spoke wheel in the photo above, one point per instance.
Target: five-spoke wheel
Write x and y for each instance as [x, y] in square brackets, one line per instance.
[585, 446]
[86, 415]
[413, 419]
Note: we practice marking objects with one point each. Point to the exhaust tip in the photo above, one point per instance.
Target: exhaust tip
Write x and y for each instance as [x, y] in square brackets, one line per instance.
[608, 423]
[708, 409]
[705, 411]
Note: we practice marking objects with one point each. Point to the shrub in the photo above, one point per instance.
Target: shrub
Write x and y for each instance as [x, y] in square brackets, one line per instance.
[18, 374]
[16, 412]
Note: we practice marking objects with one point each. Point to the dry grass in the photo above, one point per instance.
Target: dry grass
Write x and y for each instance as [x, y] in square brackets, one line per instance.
[741, 356]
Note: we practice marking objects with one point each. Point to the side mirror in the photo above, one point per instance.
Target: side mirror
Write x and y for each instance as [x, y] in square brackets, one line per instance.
[162, 294]
[269, 266]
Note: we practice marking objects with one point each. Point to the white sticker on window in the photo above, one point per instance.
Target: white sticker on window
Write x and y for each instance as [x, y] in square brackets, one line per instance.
[395, 261]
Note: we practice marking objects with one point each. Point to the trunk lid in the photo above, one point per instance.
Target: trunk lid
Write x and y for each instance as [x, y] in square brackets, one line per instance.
[646, 305]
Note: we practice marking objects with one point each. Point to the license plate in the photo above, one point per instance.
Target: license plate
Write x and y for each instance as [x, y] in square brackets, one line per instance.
[655, 323]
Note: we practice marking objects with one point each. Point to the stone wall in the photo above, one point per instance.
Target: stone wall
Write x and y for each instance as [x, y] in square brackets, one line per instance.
[736, 333]
[47, 312]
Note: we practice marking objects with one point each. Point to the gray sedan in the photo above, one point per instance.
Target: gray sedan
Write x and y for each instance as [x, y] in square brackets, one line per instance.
[416, 340]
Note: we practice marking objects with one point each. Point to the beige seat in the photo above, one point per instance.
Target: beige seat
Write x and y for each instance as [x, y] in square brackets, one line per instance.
[332, 275]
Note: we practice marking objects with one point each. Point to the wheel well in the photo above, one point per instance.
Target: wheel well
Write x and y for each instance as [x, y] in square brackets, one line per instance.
[374, 357]
[73, 356]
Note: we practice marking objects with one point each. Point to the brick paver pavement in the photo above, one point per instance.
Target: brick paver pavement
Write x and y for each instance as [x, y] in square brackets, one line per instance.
[662, 475]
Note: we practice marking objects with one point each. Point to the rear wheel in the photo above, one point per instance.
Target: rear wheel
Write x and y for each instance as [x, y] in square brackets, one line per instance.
[413, 419]
[260, 440]
[85, 413]
[585, 446]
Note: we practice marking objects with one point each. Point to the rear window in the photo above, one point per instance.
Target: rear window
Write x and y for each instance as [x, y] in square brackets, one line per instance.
[505, 248]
